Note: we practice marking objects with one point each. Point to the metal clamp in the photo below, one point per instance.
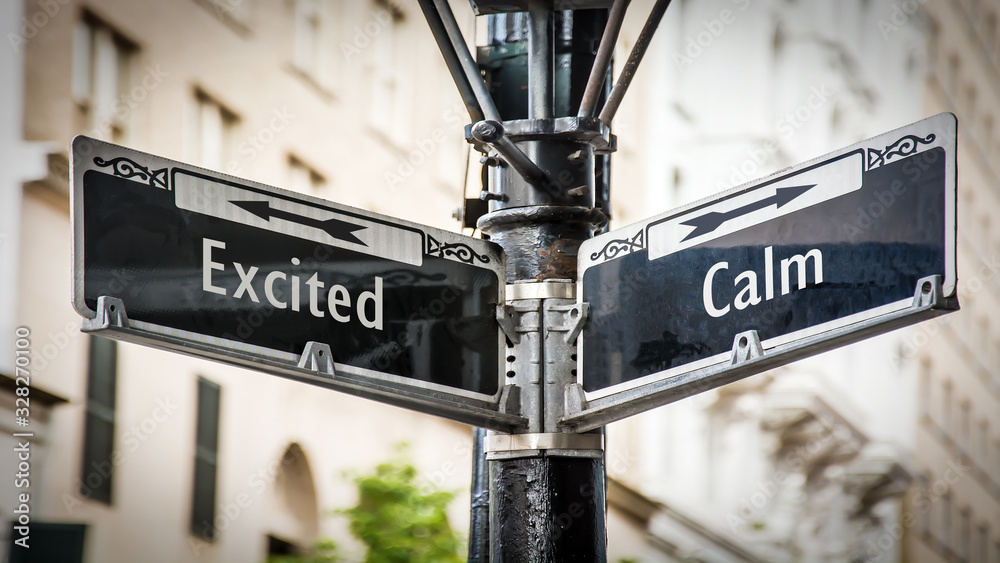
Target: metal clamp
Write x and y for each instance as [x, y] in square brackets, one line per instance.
[110, 313]
[317, 357]
[492, 133]
[507, 446]
[541, 290]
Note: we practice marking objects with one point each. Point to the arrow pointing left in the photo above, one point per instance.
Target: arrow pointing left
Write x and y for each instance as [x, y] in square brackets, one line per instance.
[336, 228]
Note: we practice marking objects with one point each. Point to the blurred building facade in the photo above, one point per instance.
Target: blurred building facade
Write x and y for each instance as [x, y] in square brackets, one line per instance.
[886, 450]
[835, 458]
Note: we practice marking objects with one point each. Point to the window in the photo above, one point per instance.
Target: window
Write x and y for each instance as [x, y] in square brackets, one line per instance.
[996, 461]
[982, 553]
[385, 115]
[964, 424]
[946, 414]
[924, 390]
[55, 543]
[989, 34]
[945, 536]
[102, 68]
[964, 534]
[986, 135]
[205, 460]
[213, 130]
[921, 503]
[954, 71]
[303, 178]
[97, 470]
[983, 444]
[309, 50]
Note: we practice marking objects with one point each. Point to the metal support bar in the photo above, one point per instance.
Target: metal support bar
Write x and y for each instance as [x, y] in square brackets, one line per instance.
[452, 60]
[541, 59]
[492, 133]
[634, 58]
[588, 104]
[468, 63]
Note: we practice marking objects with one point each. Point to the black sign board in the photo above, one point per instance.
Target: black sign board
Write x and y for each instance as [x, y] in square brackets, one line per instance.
[791, 265]
[236, 271]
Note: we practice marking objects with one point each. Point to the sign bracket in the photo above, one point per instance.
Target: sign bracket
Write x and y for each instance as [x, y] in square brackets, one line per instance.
[110, 313]
[317, 357]
[746, 346]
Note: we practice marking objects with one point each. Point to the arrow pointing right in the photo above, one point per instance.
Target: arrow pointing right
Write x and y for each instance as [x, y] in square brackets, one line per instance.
[713, 220]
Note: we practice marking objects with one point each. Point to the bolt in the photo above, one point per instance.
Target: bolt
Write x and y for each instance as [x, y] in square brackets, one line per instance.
[575, 156]
[487, 196]
[577, 191]
[487, 131]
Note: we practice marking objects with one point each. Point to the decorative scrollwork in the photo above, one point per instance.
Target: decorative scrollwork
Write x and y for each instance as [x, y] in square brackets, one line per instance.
[905, 146]
[620, 246]
[457, 250]
[125, 168]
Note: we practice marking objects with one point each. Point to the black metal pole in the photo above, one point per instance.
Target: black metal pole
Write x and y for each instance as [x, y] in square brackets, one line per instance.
[546, 504]
[479, 514]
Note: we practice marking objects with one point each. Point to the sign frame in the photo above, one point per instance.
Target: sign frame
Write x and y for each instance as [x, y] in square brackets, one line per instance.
[315, 364]
[932, 296]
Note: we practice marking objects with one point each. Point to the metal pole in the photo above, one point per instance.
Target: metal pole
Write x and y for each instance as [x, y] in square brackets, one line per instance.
[541, 59]
[634, 58]
[452, 60]
[479, 515]
[468, 63]
[547, 495]
[603, 60]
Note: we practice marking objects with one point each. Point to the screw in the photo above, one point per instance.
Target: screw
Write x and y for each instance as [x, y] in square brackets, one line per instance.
[577, 191]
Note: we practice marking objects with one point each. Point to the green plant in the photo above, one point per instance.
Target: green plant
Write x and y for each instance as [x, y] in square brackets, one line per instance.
[399, 522]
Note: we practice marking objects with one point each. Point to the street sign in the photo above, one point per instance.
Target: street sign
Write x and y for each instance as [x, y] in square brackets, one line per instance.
[831, 251]
[190, 260]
